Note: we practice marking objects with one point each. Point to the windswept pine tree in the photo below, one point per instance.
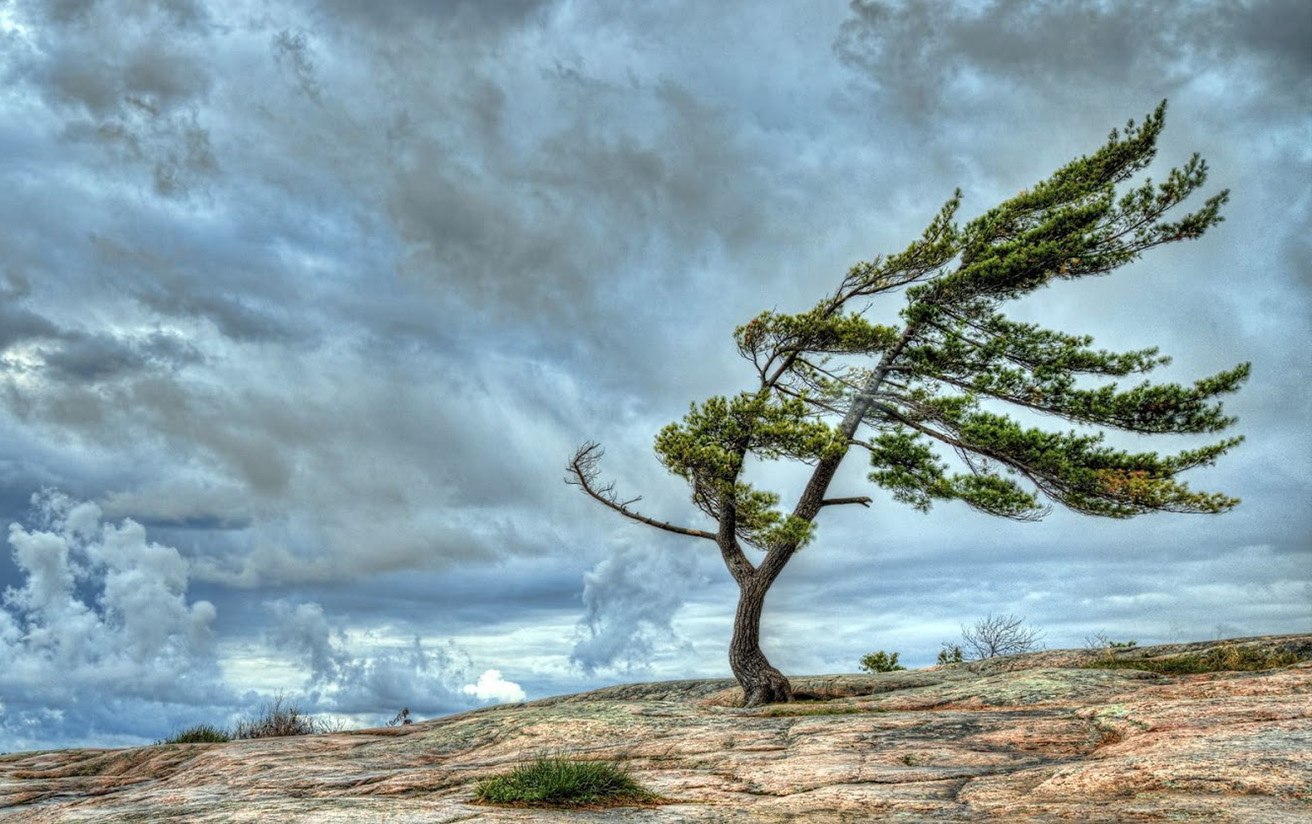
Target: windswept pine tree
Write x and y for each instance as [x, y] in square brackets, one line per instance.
[930, 387]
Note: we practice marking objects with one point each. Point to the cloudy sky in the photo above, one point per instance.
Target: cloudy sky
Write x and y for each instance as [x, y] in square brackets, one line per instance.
[304, 304]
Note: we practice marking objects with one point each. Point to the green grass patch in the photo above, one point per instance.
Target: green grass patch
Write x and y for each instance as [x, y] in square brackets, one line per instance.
[199, 734]
[1217, 659]
[562, 782]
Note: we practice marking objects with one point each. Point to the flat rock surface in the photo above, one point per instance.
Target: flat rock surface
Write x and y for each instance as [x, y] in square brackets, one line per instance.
[1030, 738]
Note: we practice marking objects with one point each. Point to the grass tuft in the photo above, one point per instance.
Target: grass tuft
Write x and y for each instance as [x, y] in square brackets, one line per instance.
[199, 734]
[561, 782]
[279, 719]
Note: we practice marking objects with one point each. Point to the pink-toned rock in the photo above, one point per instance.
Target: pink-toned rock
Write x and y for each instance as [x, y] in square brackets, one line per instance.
[1032, 738]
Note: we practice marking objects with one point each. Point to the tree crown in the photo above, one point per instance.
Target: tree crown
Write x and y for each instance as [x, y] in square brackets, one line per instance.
[830, 380]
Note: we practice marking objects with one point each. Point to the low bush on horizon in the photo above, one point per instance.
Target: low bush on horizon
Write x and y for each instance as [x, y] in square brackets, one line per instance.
[278, 719]
[1101, 641]
[880, 661]
[950, 654]
[199, 734]
[1226, 658]
[563, 782]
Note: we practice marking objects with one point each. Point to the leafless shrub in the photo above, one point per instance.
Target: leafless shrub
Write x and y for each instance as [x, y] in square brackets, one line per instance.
[278, 719]
[995, 635]
[1097, 642]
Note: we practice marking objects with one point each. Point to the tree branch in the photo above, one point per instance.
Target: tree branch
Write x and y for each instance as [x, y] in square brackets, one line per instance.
[793, 393]
[862, 499]
[583, 469]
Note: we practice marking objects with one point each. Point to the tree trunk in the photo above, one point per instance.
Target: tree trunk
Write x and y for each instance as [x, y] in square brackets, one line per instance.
[761, 683]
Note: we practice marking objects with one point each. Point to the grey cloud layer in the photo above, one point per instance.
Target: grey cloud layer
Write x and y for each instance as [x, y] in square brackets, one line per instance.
[630, 601]
[427, 679]
[934, 58]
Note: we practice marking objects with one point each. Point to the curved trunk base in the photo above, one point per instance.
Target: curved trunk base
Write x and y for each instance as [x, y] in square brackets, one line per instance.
[767, 687]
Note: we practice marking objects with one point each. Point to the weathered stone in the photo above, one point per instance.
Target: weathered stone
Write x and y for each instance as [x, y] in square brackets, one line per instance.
[1029, 738]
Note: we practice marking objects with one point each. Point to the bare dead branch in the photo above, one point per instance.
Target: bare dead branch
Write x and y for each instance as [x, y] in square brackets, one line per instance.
[861, 499]
[583, 473]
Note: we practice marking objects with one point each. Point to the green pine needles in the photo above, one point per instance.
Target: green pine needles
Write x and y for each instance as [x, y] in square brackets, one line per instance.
[939, 384]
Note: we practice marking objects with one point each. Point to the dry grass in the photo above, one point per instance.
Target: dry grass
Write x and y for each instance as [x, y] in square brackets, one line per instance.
[279, 719]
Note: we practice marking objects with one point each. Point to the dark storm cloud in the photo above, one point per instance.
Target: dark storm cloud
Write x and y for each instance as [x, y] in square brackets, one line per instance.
[1279, 30]
[467, 17]
[31, 345]
[125, 78]
[180, 12]
[295, 55]
[922, 53]
[205, 283]
[1000, 75]
[565, 191]
[18, 325]
[541, 234]
[485, 243]
[83, 357]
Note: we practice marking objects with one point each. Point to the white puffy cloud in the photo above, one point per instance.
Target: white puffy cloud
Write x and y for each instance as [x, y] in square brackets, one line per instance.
[102, 619]
[491, 686]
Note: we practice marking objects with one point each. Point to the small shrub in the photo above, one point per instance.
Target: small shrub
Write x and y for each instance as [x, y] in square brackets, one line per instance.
[950, 654]
[278, 720]
[561, 782]
[880, 661]
[199, 734]
[1099, 640]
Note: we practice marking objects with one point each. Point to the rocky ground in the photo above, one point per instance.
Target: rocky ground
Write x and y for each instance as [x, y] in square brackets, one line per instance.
[1032, 738]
